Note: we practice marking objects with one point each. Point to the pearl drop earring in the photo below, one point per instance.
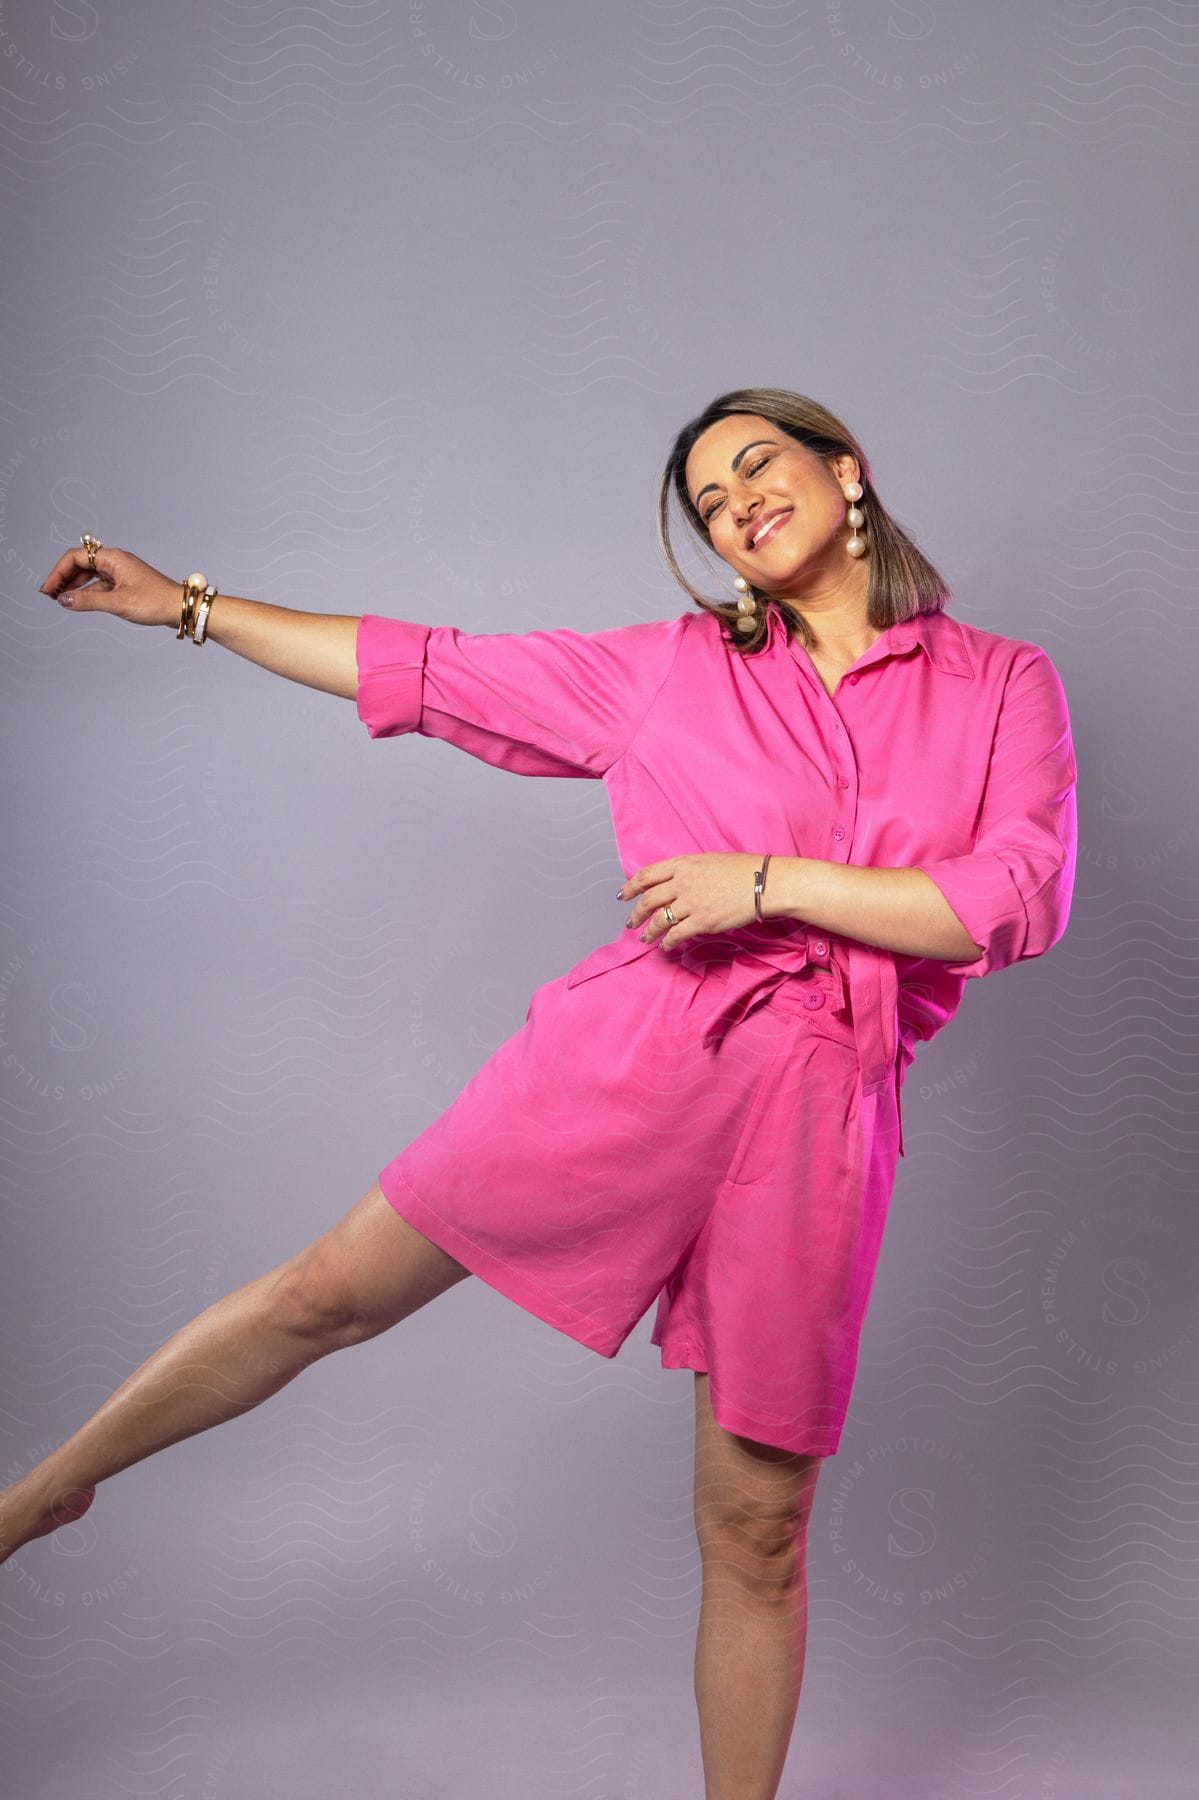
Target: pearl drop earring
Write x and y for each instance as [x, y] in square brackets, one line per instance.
[856, 545]
[747, 606]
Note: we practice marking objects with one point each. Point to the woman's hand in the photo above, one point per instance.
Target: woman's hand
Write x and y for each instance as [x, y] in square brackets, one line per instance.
[120, 584]
[710, 892]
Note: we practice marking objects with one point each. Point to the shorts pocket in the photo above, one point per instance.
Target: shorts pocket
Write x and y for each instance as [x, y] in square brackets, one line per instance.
[609, 956]
[755, 1153]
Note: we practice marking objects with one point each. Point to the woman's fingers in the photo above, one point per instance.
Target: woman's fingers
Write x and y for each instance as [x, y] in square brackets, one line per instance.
[70, 572]
[56, 580]
[120, 584]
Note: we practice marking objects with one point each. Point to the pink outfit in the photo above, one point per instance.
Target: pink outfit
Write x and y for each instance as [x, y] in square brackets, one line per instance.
[718, 1126]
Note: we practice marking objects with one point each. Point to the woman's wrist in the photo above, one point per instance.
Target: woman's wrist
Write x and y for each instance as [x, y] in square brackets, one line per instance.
[318, 650]
[168, 607]
[785, 888]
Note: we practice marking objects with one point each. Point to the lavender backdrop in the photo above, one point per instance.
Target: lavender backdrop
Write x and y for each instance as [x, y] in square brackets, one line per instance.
[395, 308]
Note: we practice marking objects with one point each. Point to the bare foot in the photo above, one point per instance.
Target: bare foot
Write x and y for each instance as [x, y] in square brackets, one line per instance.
[23, 1518]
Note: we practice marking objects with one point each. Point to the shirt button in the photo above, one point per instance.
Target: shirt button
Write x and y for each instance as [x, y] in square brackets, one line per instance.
[853, 680]
[820, 948]
[813, 998]
[838, 832]
[843, 781]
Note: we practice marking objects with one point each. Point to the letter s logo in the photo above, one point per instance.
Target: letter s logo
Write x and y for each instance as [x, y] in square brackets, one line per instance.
[493, 1532]
[502, 15]
[912, 1508]
[1124, 1280]
[86, 17]
[72, 1030]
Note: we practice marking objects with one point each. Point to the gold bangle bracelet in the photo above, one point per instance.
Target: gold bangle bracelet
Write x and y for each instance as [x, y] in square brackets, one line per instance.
[192, 588]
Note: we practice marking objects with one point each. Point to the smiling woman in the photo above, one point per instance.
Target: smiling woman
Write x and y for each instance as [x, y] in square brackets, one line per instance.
[801, 459]
[705, 1116]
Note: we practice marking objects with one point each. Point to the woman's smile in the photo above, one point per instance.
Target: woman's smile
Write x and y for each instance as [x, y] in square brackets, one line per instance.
[772, 530]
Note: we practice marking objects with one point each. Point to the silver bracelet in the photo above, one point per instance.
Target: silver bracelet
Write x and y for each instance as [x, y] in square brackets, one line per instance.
[759, 884]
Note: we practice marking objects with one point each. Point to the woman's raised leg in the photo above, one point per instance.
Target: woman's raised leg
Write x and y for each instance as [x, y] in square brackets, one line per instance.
[752, 1503]
[363, 1275]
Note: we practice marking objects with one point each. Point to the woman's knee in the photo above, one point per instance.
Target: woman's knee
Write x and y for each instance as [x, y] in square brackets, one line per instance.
[306, 1302]
[766, 1517]
[757, 1542]
[752, 1500]
[366, 1273]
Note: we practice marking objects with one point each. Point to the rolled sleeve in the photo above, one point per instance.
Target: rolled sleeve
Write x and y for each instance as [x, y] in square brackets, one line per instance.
[1012, 891]
[558, 703]
[391, 657]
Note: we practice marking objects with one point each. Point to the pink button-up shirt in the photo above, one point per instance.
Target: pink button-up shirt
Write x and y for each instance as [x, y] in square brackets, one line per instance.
[945, 748]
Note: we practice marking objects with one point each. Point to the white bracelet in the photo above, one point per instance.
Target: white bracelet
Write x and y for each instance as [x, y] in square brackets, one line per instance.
[202, 612]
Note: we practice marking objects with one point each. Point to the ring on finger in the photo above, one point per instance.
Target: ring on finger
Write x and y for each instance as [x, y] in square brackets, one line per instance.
[669, 916]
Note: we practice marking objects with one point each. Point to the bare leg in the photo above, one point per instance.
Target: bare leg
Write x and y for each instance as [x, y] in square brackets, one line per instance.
[359, 1278]
[752, 1503]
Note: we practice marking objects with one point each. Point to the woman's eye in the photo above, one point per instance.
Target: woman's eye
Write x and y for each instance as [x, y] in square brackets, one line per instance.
[760, 463]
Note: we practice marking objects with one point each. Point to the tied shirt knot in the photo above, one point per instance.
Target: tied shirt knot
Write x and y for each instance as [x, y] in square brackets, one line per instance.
[865, 987]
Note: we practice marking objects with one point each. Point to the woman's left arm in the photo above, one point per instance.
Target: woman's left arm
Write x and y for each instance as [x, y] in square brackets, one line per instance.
[897, 909]
[1004, 900]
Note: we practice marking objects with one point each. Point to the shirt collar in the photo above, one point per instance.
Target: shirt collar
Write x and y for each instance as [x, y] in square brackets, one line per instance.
[941, 638]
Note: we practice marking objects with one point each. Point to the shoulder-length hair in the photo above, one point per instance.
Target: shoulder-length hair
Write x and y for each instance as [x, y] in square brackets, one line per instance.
[901, 582]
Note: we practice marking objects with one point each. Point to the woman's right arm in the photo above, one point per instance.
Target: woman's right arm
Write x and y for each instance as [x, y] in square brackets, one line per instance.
[561, 702]
[316, 649]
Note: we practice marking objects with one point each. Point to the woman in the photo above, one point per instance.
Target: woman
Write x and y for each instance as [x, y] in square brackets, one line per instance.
[836, 805]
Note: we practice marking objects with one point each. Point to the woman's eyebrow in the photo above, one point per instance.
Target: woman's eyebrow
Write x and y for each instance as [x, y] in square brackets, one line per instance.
[733, 466]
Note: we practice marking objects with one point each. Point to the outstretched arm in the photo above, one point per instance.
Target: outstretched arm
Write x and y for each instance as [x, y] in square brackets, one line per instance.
[316, 649]
[560, 703]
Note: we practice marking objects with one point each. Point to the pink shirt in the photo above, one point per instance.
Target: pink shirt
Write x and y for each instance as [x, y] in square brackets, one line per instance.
[946, 748]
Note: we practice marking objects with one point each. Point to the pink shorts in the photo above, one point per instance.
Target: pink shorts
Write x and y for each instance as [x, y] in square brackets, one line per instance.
[608, 1155]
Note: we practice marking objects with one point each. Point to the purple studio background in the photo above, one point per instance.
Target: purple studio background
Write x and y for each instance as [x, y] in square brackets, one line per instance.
[360, 307]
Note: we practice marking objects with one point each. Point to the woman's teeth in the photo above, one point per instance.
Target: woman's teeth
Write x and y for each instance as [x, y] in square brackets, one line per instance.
[771, 528]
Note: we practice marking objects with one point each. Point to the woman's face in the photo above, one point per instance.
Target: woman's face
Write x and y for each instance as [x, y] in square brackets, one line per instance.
[740, 472]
